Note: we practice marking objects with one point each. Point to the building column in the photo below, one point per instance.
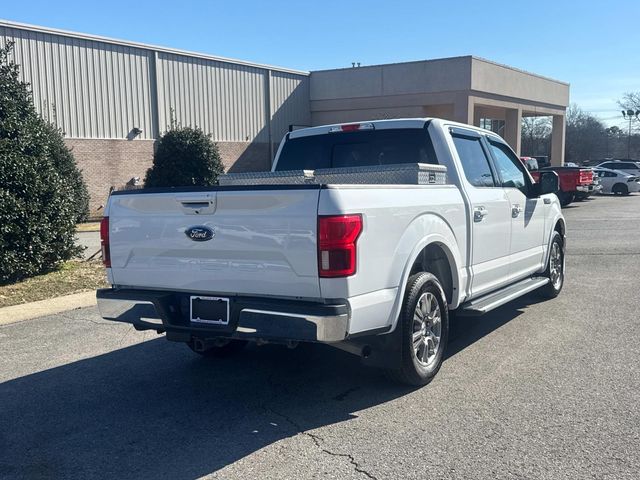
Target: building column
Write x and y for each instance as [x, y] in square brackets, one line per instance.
[477, 115]
[557, 140]
[513, 128]
[463, 109]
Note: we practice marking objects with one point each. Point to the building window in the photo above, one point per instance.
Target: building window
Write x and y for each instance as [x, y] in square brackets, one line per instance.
[496, 126]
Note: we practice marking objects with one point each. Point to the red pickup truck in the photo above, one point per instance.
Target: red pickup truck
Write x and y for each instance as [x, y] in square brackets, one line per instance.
[574, 181]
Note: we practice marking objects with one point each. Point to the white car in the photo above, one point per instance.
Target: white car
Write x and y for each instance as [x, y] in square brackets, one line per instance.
[364, 236]
[617, 182]
[627, 166]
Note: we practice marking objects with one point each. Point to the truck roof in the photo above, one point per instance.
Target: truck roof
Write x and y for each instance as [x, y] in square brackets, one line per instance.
[383, 125]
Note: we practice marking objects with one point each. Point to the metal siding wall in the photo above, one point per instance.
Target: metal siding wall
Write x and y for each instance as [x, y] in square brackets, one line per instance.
[89, 89]
[225, 100]
[97, 89]
[289, 103]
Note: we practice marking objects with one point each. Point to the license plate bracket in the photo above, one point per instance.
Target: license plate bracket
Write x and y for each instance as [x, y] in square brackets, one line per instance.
[209, 310]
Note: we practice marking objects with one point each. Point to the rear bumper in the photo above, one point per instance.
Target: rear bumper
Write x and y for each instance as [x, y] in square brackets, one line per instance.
[250, 317]
[585, 188]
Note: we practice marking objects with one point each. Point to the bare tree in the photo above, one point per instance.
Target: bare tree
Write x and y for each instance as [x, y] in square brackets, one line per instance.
[536, 135]
[586, 136]
[630, 101]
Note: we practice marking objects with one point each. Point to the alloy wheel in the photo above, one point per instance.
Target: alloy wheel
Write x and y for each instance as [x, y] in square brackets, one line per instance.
[427, 329]
[555, 269]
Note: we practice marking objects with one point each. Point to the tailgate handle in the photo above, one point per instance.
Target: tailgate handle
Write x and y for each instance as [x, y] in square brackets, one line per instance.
[193, 205]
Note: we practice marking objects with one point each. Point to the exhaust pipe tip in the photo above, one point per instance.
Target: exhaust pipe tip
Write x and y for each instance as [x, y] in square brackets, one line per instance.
[198, 344]
[366, 351]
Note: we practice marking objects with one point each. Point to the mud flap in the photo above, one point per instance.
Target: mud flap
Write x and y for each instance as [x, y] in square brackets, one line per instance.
[382, 351]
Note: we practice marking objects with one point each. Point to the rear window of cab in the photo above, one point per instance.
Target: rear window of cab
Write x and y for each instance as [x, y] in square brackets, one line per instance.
[357, 149]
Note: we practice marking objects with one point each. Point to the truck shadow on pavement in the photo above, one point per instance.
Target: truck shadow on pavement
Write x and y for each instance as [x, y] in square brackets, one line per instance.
[156, 410]
[464, 331]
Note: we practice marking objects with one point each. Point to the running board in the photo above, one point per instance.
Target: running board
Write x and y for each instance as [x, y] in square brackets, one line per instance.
[494, 300]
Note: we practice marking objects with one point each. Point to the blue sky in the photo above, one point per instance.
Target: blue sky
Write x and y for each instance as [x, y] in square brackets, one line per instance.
[580, 42]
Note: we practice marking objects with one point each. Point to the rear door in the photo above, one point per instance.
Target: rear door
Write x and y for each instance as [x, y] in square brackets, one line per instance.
[250, 240]
[489, 211]
[527, 214]
[608, 179]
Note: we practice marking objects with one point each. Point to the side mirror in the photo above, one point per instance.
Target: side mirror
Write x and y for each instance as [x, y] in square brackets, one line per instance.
[548, 182]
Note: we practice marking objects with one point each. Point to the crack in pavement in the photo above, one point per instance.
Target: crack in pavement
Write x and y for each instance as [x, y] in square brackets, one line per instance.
[341, 396]
[317, 440]
[71, 319]
[108, 324]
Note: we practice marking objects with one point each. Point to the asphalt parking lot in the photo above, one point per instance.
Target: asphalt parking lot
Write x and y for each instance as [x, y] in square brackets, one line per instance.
[534, 390]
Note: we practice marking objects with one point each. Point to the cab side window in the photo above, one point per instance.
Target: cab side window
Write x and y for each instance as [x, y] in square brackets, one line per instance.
[474, 161]
[509, 167]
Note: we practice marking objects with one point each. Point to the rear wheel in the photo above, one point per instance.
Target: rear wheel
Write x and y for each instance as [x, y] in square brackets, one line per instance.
[555, 268]
[219, 348]
[620, 189]
[424, 323]
[565, 198]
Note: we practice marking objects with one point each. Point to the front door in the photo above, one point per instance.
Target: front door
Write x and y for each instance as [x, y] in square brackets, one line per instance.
[490, 214]
[526, 252]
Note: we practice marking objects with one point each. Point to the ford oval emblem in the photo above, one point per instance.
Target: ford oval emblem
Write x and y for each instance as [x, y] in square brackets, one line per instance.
[200, 233]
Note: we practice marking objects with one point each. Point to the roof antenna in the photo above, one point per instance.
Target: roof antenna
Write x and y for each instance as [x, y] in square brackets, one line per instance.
[353, 64]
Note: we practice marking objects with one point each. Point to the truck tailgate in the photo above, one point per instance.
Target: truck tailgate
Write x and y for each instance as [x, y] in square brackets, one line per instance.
[263, 242]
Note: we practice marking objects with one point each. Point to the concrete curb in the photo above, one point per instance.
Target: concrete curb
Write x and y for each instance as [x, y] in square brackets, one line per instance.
[27, 311]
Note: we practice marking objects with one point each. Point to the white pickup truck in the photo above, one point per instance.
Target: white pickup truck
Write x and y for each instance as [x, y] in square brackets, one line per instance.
[375, 269]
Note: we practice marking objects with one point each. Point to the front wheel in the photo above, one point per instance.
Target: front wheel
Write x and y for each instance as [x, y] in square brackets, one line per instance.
[424, 324]
[555, 268]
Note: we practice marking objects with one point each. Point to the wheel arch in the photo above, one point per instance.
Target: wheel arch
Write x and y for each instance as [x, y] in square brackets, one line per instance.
[435, 258]
[438, 249]
[560, 226]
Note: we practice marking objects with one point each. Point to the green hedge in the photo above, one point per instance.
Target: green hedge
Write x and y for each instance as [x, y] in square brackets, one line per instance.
[41, 190]
[184, 156]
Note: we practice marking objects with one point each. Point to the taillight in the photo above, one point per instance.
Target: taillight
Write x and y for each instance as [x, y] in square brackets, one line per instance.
[104, 241]
[337, 235]
[585, 177]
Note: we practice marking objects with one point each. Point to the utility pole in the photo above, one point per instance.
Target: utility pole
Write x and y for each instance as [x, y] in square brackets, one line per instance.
[630, 114]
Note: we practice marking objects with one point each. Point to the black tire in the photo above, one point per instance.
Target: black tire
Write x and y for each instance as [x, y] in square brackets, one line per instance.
[565, 198]
[412, 370]
[553, 288]
[620, 189]
[226, 349]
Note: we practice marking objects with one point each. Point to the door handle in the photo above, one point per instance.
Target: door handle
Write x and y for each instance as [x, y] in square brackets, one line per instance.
[516, 210]
[479, 213]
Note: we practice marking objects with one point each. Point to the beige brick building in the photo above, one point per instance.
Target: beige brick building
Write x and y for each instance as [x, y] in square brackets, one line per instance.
[114, 98]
